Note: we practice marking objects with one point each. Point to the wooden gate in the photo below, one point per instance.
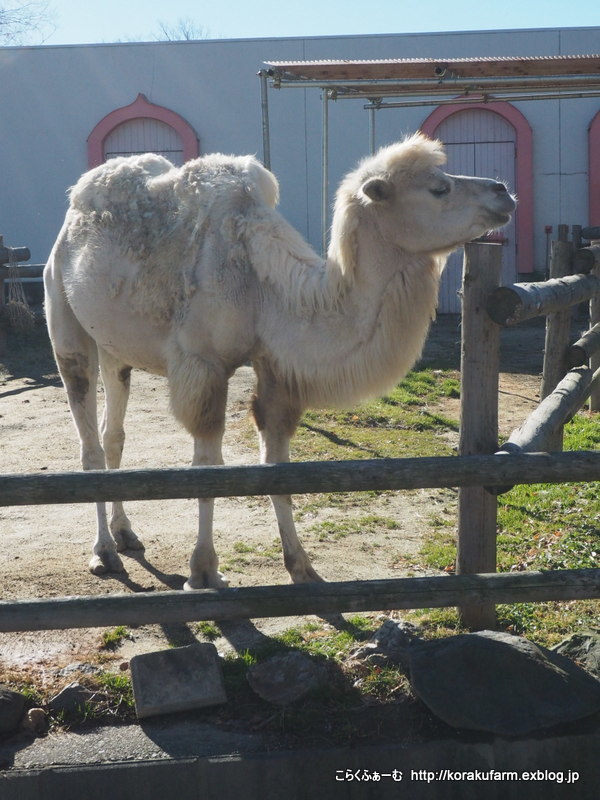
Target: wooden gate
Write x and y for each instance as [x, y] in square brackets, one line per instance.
[144, 136]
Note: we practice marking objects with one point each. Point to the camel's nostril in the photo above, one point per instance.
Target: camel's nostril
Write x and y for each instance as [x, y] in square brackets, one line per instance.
[500, 188]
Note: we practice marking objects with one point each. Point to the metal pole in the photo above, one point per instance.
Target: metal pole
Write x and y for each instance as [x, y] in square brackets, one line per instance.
[325, 173]
[372, 129]
[264, 104]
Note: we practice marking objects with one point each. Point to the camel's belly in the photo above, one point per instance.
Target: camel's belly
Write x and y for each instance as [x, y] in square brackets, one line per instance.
[127, 336]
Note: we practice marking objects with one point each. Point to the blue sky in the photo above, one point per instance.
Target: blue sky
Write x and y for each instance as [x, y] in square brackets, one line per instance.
[138, 20]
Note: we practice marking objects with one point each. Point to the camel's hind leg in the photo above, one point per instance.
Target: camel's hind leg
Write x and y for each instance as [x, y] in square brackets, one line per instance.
[76, 355]
[116, 381]
[276, 416]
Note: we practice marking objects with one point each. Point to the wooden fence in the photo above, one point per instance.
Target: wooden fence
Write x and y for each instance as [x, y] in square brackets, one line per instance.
[10, 269]
[475, 589]
[563, 390]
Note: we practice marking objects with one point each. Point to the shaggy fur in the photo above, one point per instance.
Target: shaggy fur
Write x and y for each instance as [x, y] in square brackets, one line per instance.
[190, 272]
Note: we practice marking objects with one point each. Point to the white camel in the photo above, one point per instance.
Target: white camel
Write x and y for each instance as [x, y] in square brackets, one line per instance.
[189, 272]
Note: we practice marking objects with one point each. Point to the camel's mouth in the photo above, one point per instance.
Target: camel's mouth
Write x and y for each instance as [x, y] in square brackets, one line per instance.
[503, 219]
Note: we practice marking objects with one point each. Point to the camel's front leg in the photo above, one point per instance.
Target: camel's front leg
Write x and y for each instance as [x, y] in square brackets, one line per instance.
[204, 562]
[276, 418]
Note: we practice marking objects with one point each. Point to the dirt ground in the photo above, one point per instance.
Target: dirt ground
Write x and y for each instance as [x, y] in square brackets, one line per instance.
[47, 548]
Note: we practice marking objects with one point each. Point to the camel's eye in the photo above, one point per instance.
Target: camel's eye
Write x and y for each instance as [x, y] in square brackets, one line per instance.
[440, 191]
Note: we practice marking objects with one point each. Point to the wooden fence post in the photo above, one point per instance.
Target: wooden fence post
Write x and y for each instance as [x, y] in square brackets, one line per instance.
[480, 356]
[595, 359]
[2, 317]
[558, 328]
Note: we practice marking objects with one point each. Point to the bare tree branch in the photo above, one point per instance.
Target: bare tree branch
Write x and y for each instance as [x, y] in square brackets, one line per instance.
[24, 21]
[185, 30]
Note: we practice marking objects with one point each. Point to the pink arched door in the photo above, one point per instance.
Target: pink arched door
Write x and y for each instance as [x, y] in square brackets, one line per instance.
[482, 144]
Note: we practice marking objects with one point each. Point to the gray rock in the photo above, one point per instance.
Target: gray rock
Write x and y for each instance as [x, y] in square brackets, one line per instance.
[502, 684]
[584, 648]
[70, 699]
[389, 644]
[286, 678]
[12, 707]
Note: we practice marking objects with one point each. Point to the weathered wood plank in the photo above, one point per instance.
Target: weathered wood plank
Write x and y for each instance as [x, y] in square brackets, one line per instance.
[582, 350]
[558, 327]
[480, 368]
[595, 355]
[539, 429]
[8, 254]
[510, 305]
[26, 271]
[289, 600]
[585, 259]
[297, 478]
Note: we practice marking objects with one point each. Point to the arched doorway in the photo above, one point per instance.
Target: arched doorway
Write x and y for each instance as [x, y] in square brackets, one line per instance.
[594, 170]
[142, 127]
[483, 140]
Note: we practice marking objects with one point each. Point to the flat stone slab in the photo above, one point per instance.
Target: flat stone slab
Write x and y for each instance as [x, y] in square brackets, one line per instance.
[180, 679]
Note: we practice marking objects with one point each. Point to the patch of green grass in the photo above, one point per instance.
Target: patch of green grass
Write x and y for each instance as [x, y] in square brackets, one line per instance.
[553, 526]
[544, 623]
[245, 554]
[118, 685]
[328, 530]
[398, 425]
[208, 630]
[112, 638]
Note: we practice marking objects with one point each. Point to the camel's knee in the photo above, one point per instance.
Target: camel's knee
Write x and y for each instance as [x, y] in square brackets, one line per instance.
[112, 444]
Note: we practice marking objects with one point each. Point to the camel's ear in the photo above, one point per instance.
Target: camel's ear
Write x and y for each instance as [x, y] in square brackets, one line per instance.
[378, 190]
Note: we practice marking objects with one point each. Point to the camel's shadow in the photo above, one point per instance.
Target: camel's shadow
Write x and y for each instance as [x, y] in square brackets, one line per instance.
[241, 634]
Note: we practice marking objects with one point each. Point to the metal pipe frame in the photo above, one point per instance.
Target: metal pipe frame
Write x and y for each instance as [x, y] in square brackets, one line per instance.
[397, 86]
[468, 98]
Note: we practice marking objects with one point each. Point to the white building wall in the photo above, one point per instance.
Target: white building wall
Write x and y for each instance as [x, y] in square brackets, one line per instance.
[52, 97]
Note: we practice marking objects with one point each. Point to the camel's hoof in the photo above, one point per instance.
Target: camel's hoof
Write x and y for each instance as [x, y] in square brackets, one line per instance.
[125, 539]
[110, 562]
[206, 580]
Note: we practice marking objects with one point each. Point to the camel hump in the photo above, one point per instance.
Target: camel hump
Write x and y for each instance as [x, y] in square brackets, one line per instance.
[222, 173]
[114, 183]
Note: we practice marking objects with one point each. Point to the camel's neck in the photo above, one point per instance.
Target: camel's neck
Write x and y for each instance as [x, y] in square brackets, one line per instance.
[368, 332]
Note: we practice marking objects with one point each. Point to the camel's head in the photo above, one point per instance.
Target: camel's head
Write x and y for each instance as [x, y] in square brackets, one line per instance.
[403, 192]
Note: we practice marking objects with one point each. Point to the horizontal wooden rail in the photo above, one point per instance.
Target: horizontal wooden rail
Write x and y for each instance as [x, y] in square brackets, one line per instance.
[584, 348]
[8, 254]
[554, 411]
[510, 305]
[26, 271]
[586, 259]
[297, 478]
[255, 602]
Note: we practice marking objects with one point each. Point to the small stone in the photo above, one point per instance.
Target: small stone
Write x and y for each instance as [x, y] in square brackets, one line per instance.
[389, 644]
[70, 699]
[584, 649]
[12, 706]
[286, 678]
[35, 722]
